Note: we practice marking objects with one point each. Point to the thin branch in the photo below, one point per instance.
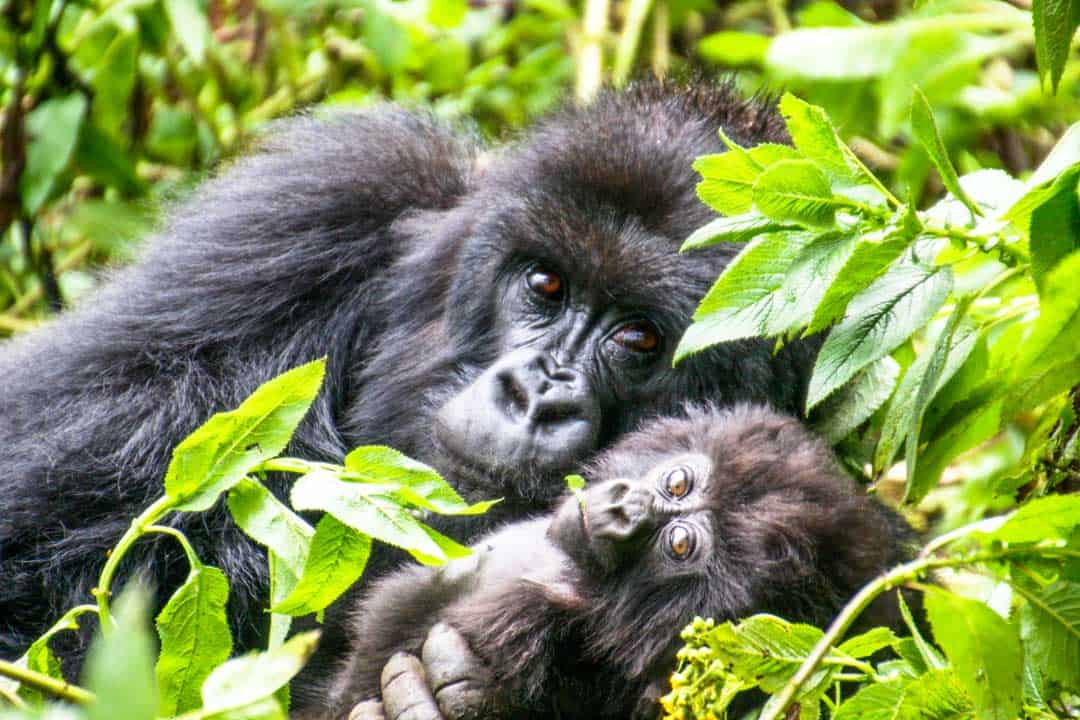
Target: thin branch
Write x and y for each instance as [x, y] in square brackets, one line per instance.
[591, 56]
[40, 681]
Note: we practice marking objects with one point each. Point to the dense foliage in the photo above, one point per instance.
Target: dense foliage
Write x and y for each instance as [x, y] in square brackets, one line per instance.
[927, 218]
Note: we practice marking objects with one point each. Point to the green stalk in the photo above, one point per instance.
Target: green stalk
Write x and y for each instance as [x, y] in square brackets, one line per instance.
[629, 39]
[46, 684]
[898, 576]
[591, 56]
[103, 592]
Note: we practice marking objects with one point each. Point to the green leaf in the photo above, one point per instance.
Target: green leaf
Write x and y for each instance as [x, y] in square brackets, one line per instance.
[53, 132]
[983, 649]
[247, 680]
[877, 320]
[1050, 628]
[103, 158]
[446, 13]
[926, 132]
[961, 433]
[1055, 24]
[219, 454]
[195, 638]
[1055, 339]
[735, 229]
[807, 280]
[815, 137]
[173, 134]
[191, 27]
[728, 179]
[368, 509]
[936, 695]
[869, 642]
[1040, 519]
[1055, 227]
[948, 345]
[837, 53]
[868, 260]
[850, 406]
[337, 559]
[796, 191]
[421, 486]
[741, 301]
[767, 650]
[119, 668]
[269, 522]
[733, 49]
[879, 701]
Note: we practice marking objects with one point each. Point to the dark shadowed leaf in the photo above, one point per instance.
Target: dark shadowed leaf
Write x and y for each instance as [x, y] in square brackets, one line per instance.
[1050, 627]
[850, 406]
[221, 452]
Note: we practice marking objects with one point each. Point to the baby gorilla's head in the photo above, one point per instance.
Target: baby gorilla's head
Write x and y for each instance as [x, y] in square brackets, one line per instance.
[721, 514]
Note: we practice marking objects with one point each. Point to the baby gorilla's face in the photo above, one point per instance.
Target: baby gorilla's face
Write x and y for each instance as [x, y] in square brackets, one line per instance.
[662, 519]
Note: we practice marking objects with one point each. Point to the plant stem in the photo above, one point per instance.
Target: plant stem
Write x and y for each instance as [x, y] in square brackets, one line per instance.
[778, 16]
[661, 51]
[902, 574]
[629, 39]
[591, 56]
[103, 592]
[40, 681]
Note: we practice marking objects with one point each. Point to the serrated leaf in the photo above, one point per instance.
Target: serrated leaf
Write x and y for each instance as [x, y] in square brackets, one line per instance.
[767, 650]
[421, 486]
[53, 131]
[868, 260]
[850, 406]
[1055, 24]
[119, 668]
[1055, 227]
[220, 453]
[1050, 628]
[1040, 519]
[936, 695]
[252, 678]
[728, 178]
[815, 137]
[735, 229]
[950, 343]
[270, 523]
[807, 280]
[742, 299]
[877, 320]
[879, 701]
[796, 191]
[363, 508]
[195, 638]
[869, 642]
[984, 651]
[337, 559]
[926, 132]
[191, 27]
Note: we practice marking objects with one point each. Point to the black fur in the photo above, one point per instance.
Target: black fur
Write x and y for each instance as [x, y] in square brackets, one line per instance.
[793, 535]
[374, 239]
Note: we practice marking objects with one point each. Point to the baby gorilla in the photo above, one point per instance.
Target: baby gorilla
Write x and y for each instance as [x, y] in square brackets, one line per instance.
[723, 513]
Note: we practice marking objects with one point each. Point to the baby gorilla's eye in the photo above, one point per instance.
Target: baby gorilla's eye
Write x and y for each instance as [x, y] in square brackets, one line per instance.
[678, 482]
[639, 336]
[545, 283]
[680, 542]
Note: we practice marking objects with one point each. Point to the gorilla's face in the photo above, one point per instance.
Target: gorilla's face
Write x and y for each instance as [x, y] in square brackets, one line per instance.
[578, 321]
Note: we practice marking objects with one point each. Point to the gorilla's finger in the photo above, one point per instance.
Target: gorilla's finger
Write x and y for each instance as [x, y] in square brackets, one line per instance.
[368, 710]
[405, 692]
[461, 681]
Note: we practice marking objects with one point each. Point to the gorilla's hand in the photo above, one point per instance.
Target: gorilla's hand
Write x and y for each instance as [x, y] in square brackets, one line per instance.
[451, 683]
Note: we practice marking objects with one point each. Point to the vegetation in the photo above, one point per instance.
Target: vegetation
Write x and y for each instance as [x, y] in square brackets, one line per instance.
[927, 217]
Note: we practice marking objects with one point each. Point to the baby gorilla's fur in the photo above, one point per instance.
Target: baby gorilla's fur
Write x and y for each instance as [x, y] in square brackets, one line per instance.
[723, 513]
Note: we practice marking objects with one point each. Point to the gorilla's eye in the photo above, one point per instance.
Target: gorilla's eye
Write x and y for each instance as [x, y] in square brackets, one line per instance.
[680, 542]
[639, 336]
[677, 482]
[545, 283]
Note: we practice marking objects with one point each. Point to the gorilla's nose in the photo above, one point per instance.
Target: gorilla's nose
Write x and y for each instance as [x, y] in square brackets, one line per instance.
[549, 402]
[619, 511]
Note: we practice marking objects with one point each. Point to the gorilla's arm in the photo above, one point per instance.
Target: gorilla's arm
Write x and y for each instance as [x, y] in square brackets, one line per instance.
[272, 264]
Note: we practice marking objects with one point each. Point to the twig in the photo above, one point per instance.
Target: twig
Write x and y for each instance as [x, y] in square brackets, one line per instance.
[591, 56]
[629, 39]
[40, 681]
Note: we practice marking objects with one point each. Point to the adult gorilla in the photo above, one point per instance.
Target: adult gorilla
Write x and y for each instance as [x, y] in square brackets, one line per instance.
[500, 314]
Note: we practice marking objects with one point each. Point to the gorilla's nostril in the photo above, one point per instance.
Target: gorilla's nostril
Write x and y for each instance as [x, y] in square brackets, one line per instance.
[516, 400]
